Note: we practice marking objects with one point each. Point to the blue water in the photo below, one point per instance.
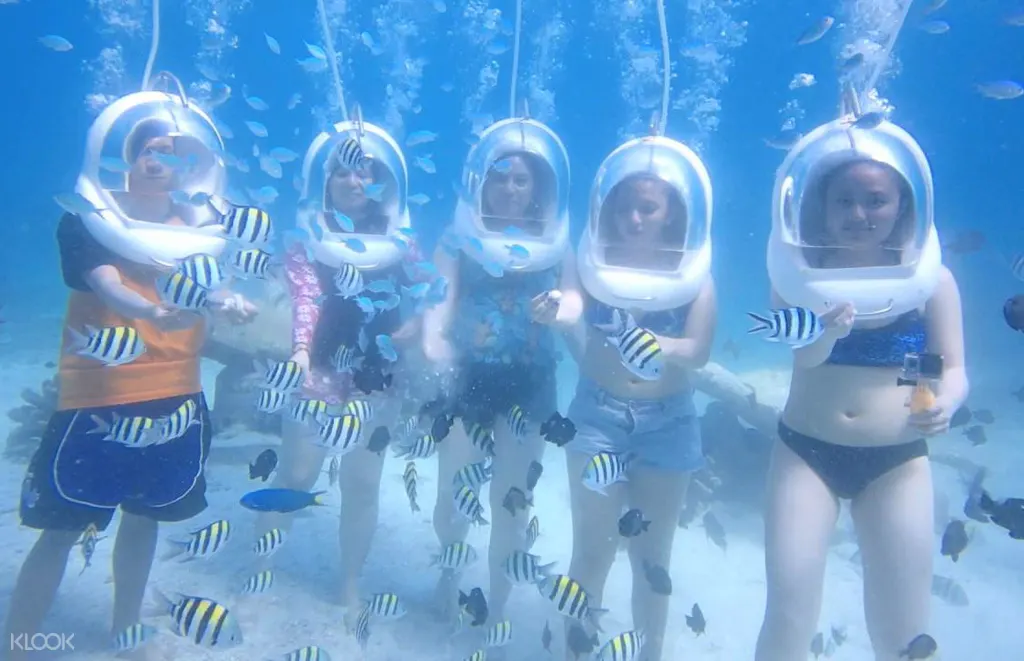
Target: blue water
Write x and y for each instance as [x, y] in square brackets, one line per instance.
[574, 70]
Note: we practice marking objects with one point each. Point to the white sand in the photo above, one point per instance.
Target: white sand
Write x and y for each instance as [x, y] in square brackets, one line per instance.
[302, 609]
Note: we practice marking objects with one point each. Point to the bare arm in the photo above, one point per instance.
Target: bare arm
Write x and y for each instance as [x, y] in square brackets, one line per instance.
[105, 282]
[946, 337]
[816, 353]
[693, 350]
[569, 319]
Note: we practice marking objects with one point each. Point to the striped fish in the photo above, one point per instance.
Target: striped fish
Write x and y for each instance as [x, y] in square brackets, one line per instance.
[423, 447]
[180, 291]
[409, 478]
[386, 604]
[363, 627]
[269, 543]
[797, 327]
[479, 655]
[570, 599]
[113, 345]
[627, 646]
[202, 543]
[308, 653]
[499, 635]
[516, 420]
[271, 401]
[348, 281]
[522, 568]
[259, 583]
[203, 621]
[309, 410]
[346, 359]
[638, 348]
[251, 262]
[350, 154]
[136, 431]
[134, 637]
[176, 424]
[456, 556]
[605, 469]
[475, 474]
[532, 533]
[204, 270]
[285, 376]
[468, 505]
[248, 225]
[481, 437]
[341, 433]
[360, 408]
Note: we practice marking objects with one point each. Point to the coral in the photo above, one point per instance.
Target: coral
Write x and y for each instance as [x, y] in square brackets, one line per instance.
[30, 420]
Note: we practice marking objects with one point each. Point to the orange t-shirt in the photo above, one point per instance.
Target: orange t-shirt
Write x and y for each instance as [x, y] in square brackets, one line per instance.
[168, 368]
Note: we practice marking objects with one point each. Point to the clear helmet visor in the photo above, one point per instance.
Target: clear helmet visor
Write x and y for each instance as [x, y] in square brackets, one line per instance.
[516, 181]
[845, 194]
[155, 143]
[650, 206]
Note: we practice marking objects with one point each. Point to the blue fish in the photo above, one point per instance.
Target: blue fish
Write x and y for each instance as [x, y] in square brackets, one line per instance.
[356, 245]
[387, 350]
[280, 500]
[344, 222]
[381, 287]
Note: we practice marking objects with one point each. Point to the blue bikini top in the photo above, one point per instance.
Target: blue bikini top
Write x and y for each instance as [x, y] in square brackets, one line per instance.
[670, 323]
[885, 346]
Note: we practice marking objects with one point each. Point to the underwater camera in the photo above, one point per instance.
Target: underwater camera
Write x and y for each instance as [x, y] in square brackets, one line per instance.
[918, 367]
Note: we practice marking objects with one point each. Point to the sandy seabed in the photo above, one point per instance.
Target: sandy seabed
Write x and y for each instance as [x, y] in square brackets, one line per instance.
[302, 608]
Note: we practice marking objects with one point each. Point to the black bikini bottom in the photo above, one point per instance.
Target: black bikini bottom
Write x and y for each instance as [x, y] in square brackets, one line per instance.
[847, 470]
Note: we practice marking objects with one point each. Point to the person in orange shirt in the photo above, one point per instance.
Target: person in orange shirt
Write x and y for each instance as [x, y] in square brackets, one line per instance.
[80, 475]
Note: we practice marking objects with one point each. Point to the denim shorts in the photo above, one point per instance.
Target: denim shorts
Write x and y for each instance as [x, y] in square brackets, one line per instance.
[663, 434]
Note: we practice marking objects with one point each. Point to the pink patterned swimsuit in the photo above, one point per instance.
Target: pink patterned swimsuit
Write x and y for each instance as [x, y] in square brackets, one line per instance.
[307, 293]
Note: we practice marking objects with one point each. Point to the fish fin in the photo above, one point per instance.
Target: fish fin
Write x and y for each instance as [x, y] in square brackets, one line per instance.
[160, 606]
[545, 570]
[594, 615]
[102, 426]
[763, 323]
[78, 341]
[317, 498]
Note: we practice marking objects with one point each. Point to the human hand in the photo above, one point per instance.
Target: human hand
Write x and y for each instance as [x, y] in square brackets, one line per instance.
[301, 358]
[544, 307]
[168, 319]
[931, 421]
[839, 320]
[236, 308]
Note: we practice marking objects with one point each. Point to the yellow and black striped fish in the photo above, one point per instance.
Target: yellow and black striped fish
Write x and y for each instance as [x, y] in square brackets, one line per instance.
[409, 478]
[136, 431]
[517, 422]
[386, 604]
[638, 348]
[202, 543]
[252, 262]
[133, 637]
[259, 583]
[203, 621]
[177, 423]
[475, 474]
[248, 225]
[203, 269]
[456, 556]
[180, 291]
[468, 505]
[481, 437]
[269, 542]
[360, 408]
[532, 532]
[341, 432]
[499, 635]
[308, 653]
[570, 598]
[627, 646]
[113, 345]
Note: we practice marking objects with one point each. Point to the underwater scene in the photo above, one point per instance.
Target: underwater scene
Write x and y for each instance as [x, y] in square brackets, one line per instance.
[512, 330]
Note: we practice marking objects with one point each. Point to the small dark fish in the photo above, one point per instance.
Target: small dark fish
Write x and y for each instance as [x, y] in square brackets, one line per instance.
[695, 620]
[264, 465]
[533, 474]
[714, 530]
[88, 543]
[515, 500]
[838, 635]
[869, 120]
[961, 417]
[818, 645]
[558, 430]
[379, 440]
[954, 539]
[474, 605]
[731, 347]
[545, 637]
[922, 647]
[280, 500]
[972, 506]
[1019, 394]
[632, 523]
[967, 242]
[371, 379]
[433, 408]
[1008, 514]
[1013, 314]
[580, 644]
[441, 427]
[984, 416]
[976, 435]
[658, 578]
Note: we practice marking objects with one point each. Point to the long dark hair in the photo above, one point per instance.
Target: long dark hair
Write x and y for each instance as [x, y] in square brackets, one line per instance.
[814, 234]
[674, 231]
[542, 189]
[376, 220]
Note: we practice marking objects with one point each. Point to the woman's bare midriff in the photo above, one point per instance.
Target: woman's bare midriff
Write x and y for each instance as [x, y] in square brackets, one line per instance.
[855, 406]
[601, 363]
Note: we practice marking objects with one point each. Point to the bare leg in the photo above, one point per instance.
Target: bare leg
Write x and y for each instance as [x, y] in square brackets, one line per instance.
[893, 517]
[660, 496]
[37, 584]
[595, 532]
[454, 452]
[133, 559]
[508, 533]
[360, 505]
[301, 462]
[801, 514]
